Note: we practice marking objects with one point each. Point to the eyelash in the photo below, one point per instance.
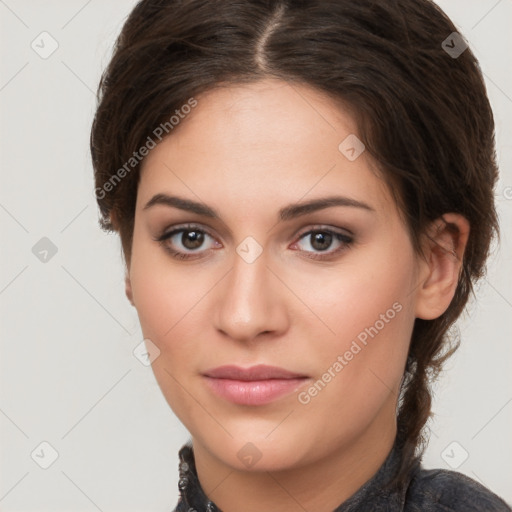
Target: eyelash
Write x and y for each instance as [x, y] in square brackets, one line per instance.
[343, 238]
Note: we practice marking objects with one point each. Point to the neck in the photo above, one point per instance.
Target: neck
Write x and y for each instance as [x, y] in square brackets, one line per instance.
[321, 485]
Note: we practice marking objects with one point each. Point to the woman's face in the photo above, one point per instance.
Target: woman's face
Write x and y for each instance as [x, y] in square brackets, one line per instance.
[258, 277]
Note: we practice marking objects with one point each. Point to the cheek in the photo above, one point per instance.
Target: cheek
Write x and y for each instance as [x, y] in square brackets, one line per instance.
[167, 303]
[164, 296]
[369, 296]
[372, 315]
[171, 304]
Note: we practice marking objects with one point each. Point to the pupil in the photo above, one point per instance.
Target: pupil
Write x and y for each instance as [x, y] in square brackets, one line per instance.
[324, 241]
[192, 239]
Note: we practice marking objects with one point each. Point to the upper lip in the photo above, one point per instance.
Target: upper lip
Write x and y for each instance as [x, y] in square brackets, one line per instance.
[258, 372]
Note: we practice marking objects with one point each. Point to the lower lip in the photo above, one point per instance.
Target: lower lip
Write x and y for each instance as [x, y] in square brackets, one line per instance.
[257, 392]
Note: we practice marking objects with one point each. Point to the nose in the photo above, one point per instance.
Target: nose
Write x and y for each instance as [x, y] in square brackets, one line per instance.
[250, 301]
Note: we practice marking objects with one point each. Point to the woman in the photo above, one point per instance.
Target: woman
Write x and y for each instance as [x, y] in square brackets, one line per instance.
[304, 196]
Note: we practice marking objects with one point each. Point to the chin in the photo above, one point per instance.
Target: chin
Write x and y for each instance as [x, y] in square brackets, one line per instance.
[255, 452]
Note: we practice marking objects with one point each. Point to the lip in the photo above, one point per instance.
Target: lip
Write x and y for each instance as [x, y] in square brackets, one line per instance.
[257, 385]
[258, 372]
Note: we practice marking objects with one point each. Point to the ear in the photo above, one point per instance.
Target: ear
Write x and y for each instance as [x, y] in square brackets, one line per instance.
[128, 288]
[128, 284]
[439, 268]
[114, 220]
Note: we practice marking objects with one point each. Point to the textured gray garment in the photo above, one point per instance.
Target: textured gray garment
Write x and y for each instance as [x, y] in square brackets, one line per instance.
[423, 490]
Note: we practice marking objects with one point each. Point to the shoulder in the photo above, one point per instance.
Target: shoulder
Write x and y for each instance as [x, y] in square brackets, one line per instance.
[450, 491]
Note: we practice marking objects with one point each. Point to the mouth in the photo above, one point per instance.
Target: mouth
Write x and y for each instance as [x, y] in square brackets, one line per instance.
[257, 385]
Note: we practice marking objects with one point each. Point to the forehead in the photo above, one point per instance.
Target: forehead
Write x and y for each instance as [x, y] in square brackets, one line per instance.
[265, 138]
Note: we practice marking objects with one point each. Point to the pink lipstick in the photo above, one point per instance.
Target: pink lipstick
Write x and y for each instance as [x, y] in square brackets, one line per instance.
[257, 385]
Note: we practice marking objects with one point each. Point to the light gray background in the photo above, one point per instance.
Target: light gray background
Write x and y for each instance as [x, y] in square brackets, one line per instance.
[67, 371]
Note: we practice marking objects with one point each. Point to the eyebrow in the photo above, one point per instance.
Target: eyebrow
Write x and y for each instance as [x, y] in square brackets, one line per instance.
[287, 213]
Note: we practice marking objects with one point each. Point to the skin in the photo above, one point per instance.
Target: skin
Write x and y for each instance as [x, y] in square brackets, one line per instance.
[247, 151]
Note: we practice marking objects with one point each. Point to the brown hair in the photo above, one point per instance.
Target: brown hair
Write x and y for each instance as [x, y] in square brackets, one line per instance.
[423, 115]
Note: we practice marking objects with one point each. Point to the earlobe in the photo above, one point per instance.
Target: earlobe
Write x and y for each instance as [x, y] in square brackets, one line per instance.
[444, 247]
[128, 289]
[113, 220]
[128, 284]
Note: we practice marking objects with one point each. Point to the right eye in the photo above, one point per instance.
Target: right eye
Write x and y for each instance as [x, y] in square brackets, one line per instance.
[186, 242]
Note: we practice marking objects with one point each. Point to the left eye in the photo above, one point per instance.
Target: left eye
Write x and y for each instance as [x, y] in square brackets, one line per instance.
[321, 240]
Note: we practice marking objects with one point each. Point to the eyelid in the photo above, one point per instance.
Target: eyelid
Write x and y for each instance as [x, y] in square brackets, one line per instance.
[311, 228]
[324, 227]
[168, 233]
[346, 240]
[177, 254]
